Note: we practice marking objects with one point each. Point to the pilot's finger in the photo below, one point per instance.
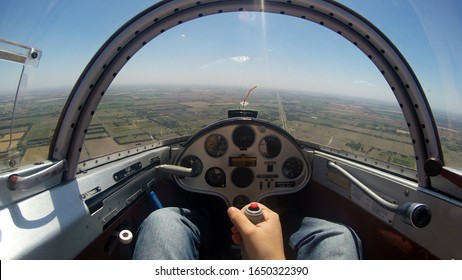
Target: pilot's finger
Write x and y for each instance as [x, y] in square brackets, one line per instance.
[236, 235]
[234, 230]
[239, 220]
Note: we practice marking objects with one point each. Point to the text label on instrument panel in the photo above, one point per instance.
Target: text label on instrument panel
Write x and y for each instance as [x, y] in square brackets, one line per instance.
[242, 161]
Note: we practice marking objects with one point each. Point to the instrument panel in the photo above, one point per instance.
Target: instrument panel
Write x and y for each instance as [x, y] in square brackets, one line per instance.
[243, 160]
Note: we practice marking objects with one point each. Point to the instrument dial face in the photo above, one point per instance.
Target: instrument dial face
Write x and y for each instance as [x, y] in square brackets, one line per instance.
[243, 137]
[216, 177]
[216, 145]
[292, 168]
[242, 177]
[193, 162]
[270, 146]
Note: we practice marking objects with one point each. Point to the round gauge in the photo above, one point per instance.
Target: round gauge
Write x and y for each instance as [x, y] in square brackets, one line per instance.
[216, 145]
[243, 137]
[192, 162]
[270, 146]
[241, 201]
[292, 168]
[216, 177]
[242, 177]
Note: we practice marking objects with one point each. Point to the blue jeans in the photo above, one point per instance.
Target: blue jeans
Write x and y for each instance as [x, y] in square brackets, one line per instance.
[177, 234]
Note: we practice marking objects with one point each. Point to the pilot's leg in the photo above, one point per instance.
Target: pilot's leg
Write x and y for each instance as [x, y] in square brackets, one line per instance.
[321, 239]
[170, 233]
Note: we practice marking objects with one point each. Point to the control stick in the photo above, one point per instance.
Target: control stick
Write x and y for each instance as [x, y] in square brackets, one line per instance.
[254, 213]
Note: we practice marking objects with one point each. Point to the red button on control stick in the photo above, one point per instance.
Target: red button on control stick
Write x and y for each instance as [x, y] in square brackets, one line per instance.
[254, 206]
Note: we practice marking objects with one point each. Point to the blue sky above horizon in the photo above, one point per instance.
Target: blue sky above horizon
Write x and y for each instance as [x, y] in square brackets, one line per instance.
[258, 49]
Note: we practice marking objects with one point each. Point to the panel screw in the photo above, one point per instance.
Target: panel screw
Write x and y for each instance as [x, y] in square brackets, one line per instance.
[406, 193]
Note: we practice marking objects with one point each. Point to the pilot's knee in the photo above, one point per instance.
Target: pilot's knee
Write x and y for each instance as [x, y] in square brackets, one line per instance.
[330, 240]
[172, 218]
[160, 218]
[320, 227]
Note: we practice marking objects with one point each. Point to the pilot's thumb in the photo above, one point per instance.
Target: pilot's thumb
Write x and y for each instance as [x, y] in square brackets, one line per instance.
[240, 221]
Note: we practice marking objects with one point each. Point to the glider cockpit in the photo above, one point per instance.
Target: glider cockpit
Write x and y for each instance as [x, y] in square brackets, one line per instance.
[120, 149]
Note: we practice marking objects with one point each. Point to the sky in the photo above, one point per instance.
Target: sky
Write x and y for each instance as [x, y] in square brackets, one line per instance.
[243, 49]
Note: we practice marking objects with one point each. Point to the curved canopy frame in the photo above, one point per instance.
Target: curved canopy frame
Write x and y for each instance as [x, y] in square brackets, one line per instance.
[131, 37]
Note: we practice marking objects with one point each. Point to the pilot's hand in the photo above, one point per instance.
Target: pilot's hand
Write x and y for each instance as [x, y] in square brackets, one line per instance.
[262, 241]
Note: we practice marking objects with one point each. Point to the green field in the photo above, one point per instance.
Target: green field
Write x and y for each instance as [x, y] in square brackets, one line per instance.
[133, 117]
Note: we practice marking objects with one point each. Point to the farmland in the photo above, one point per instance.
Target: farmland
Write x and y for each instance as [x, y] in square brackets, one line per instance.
[128, 117]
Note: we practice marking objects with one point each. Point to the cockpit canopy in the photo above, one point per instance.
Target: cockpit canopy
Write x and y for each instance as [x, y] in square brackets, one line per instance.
[324, 74]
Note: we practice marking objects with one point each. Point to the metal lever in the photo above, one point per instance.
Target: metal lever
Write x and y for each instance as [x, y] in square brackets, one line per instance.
[416, 214]
[17, 182]
[175, 169]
